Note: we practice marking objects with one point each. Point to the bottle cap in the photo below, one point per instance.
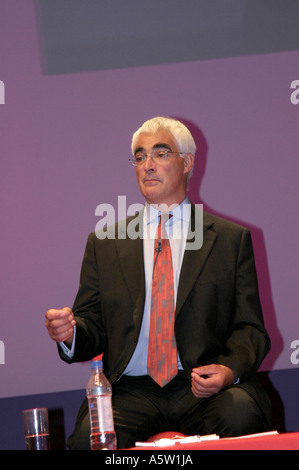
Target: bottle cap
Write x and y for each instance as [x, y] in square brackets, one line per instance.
[97, 364]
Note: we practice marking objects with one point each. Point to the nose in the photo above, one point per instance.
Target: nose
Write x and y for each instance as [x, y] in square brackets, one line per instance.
[149, 164]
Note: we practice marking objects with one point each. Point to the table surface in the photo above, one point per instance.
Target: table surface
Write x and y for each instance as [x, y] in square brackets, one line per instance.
[263, 441]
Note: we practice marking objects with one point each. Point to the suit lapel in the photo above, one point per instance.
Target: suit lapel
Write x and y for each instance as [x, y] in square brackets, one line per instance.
[194, 261]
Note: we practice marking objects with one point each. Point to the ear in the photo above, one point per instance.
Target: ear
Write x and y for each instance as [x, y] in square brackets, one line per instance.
[188, 162]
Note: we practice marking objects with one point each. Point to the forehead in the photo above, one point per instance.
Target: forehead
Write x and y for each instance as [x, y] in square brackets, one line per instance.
[148, 141]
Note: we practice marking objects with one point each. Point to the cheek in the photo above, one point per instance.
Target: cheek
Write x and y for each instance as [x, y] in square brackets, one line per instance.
[173, 176]
[138, 176]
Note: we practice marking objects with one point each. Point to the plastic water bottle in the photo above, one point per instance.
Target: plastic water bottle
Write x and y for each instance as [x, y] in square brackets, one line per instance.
[99, 393]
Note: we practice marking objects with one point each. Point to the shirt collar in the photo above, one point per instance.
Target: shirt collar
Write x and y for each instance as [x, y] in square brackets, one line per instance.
[180, 212]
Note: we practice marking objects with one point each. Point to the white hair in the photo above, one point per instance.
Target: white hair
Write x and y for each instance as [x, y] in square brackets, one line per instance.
[177, 129]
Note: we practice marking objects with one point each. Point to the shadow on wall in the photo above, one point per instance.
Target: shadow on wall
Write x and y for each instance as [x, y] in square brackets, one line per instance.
[261, 267]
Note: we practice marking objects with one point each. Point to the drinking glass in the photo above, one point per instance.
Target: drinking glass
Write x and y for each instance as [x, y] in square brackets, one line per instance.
[36, 428]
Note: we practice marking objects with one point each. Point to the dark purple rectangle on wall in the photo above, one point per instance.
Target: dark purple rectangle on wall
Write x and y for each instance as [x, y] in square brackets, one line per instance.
[81, 36]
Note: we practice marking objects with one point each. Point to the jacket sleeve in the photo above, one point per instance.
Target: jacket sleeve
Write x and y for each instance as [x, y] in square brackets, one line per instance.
[248, 342]
[90, 336]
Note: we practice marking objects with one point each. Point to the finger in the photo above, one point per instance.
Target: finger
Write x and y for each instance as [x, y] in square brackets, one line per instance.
[202, 385]
[69, 315]
[57, 317]
[199, 380]
[61, 333]
[199, 392]
[55, 314]
[67, 311]
[60, 324]
[65, 336]
[206, 370]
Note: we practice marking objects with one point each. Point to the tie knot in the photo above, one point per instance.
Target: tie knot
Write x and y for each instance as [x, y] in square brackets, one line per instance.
[164, 218]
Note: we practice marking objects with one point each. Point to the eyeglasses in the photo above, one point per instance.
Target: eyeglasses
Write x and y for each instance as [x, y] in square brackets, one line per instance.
[158, 156]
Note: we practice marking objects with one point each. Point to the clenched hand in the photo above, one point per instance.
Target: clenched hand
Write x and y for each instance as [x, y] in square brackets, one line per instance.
[210, 379]
[60, 324]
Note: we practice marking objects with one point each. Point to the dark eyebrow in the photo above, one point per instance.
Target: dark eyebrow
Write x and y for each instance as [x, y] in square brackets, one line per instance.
[139, 149]
[156, 146]
[162, 145]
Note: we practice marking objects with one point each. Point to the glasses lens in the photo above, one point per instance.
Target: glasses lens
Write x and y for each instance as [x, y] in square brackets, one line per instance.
[160, 155]
[139, 158]
[157, 155]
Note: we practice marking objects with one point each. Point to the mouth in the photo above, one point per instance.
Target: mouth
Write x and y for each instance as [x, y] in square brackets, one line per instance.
[150, 180]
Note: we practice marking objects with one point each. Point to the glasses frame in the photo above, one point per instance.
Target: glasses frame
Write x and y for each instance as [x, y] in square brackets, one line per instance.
[154, 156]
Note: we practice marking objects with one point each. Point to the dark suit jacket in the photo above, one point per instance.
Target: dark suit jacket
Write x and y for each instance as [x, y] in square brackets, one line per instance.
[218, 312]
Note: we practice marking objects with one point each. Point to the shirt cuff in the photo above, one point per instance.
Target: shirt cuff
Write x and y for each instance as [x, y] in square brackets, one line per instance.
[69, 352]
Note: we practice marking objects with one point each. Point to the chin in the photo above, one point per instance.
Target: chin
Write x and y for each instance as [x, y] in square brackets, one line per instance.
[151, 196]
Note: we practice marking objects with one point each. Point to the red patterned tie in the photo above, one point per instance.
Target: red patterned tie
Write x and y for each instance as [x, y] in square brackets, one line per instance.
[162, 352]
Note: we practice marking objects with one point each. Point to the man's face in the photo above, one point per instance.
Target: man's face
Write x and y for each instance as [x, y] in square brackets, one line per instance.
[162, 183]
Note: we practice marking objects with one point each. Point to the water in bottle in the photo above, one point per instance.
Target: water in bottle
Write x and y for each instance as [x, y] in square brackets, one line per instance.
[99, 393]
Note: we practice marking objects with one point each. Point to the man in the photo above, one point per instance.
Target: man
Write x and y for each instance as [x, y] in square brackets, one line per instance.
[217, 338]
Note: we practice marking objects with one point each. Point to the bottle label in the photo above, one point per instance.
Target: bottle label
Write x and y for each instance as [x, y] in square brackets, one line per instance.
[105, 414]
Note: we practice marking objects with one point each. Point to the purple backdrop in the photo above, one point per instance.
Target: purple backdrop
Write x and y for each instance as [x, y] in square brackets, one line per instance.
[65, 144]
